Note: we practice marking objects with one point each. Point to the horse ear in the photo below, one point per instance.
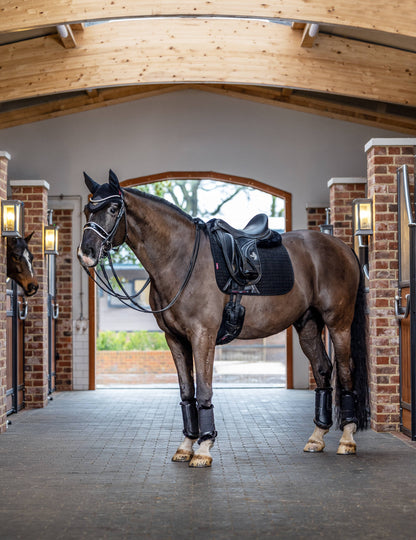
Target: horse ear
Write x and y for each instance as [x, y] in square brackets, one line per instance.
[113, 180]
[29, 237]
[91, 185]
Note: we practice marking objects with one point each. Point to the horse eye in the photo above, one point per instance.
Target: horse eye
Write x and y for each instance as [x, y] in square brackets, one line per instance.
[16, 258]
[113, 210]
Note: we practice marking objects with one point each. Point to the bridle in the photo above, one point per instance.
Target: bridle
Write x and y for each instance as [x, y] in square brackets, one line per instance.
[107, 237]
[104, 281]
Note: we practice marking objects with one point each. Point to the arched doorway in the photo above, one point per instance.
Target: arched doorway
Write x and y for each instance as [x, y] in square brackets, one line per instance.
[284, 196]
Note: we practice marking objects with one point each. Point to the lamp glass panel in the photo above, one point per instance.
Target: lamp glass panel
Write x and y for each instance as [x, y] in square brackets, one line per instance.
[365, 216]
[51, 239]
[10, 217]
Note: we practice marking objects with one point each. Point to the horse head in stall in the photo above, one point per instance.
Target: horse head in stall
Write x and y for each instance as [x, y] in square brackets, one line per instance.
[19, 264]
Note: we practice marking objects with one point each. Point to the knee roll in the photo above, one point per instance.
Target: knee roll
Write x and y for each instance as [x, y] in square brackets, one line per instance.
[323, 407]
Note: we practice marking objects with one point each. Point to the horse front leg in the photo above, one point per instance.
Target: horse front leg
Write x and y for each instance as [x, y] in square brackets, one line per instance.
[182, 356]
[204, 351]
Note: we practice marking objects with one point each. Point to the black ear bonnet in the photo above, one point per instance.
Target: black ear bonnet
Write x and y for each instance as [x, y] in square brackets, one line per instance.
[104, 194]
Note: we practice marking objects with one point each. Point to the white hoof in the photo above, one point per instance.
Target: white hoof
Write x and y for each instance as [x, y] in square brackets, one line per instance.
[202, 457]
[316, 440]
[185, 451]
[347, 445]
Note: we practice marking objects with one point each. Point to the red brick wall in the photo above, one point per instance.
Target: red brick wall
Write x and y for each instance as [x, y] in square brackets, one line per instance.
[135, 367]
[382, 162]
[63, 218]
[316, 216]
[3, 271]
[35, 198]
[341, 194]
[134, 362]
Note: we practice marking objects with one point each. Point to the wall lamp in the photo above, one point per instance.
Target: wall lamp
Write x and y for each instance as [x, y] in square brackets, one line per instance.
[50, 237]
[12, 218]
[327, 228]
[362, 211]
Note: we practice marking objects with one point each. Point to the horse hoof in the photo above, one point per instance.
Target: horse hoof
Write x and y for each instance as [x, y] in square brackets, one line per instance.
[200, 461]
[346, 449]
[182, 456]
[314, 446]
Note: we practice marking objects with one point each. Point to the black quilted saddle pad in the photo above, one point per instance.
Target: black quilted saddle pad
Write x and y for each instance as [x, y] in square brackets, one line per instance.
[277, 271]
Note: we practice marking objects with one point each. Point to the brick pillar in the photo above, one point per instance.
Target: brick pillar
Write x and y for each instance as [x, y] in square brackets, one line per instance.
[342, 191]
[4, 161]
[34, 193]
[383, 158]
[63, 218]
[316, 216]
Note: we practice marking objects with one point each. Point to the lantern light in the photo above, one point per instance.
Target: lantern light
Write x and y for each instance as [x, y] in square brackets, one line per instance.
[12, 218]
[50, 240]
[363, 217]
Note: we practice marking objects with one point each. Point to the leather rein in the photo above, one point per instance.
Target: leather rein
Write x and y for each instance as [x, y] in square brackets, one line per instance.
[104, 281]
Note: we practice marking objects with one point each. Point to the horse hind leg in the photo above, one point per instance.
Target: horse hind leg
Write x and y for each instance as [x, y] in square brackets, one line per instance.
[309, 328]
[347, 415]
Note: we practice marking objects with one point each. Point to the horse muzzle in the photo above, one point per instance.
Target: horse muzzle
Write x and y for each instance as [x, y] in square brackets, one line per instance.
[87, 260]
[31, 288]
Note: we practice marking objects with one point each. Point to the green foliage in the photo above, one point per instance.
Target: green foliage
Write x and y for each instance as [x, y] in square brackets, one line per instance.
[131, 341]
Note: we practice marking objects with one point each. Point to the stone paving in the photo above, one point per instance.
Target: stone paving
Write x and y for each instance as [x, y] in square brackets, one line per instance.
[97, 465]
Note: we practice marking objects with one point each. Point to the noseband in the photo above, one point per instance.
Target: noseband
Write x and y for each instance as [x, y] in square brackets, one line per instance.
[107, 237]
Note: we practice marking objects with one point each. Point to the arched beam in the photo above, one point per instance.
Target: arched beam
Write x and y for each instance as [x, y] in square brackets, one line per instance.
[205, 50]
[396, 17]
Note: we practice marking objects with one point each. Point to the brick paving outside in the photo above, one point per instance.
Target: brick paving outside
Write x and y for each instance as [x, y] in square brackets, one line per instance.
[98, 465]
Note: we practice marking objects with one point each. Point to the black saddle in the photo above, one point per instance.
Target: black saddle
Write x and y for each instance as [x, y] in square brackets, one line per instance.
[240, 247]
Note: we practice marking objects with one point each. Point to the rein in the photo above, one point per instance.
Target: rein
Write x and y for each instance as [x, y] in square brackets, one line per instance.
[104, 281]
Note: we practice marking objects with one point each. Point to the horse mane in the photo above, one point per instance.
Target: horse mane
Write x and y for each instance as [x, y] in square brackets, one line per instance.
[157, 199]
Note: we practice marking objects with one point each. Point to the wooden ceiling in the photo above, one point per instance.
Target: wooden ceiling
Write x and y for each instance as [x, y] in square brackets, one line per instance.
[352, 61]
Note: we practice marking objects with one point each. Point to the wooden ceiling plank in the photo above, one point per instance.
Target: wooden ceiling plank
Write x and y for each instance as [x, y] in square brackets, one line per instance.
[396, 17]
[316, 106]
[206, 50]
[75, 104]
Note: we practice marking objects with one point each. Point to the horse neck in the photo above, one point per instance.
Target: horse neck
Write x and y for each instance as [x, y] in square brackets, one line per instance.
[159, 235]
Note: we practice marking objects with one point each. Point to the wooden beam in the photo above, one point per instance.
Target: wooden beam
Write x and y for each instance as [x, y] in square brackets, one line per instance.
[66, 36]
[396, 17]
[94, 99]
[318, 106]
[269, 96]
[205, 50]
[310, 33]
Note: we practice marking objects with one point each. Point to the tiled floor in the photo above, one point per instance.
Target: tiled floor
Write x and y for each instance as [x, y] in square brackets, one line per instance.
[97, 465]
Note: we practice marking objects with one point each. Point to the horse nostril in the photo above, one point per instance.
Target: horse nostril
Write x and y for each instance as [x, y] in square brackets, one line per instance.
[89, 252]
[32, 287]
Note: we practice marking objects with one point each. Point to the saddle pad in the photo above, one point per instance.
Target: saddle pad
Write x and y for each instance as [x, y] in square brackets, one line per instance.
[277, 272]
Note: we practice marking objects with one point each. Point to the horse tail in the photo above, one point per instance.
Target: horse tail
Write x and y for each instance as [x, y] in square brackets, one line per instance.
[359, 355]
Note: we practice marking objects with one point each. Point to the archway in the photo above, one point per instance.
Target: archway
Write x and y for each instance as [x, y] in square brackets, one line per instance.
[284, 196]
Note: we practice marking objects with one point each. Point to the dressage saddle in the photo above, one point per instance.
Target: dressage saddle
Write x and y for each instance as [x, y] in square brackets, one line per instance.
[239, 247]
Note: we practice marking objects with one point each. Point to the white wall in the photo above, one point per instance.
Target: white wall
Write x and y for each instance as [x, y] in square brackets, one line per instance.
[191, 130]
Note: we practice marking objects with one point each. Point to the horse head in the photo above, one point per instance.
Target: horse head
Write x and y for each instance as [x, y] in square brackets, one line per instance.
[19, 264]
[104, 213]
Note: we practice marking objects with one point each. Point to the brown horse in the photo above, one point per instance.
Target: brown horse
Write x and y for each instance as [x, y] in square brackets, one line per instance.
[19, 264]
[328, 291]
